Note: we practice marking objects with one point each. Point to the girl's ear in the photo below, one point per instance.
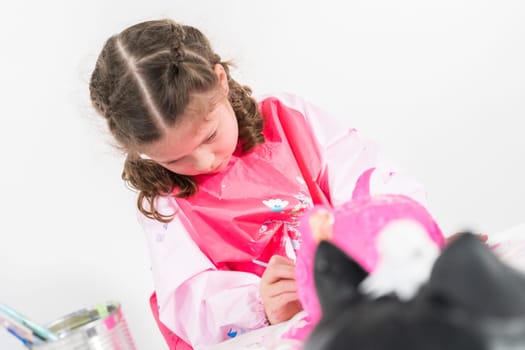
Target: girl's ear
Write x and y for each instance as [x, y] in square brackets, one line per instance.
[222, 77]
[336, 277]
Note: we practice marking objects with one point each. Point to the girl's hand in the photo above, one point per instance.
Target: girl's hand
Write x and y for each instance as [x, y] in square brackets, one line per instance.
[278, 290]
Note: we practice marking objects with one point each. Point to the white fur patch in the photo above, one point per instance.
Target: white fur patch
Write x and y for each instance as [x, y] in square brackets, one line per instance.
[406, 256]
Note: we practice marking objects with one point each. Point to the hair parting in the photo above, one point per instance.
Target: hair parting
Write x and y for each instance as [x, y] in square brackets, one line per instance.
[142, 82]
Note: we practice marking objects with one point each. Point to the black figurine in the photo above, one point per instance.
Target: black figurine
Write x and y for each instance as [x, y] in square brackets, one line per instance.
[472, 301]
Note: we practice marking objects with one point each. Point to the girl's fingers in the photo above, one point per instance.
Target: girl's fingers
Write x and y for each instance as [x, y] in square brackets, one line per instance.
[482, 237]
[280, 260]
[281, 287]
[278, 290]
[285, 298]
[278, 268]
[283, 308]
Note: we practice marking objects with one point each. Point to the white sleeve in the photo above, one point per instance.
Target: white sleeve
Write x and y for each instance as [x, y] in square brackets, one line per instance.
[197, 302]
[347, 154]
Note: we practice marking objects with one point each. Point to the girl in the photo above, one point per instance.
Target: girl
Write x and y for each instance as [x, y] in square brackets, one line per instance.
[221, 179]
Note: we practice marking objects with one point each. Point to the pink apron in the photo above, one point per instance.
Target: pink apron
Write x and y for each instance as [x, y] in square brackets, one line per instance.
[251, 210]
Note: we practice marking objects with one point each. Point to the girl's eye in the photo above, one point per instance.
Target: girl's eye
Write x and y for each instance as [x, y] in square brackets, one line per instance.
[212, 137]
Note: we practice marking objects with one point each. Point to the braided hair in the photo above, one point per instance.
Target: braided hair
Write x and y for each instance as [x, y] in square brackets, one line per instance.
[141, 84]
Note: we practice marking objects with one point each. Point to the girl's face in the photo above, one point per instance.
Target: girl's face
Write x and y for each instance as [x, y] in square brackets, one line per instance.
[204, 139]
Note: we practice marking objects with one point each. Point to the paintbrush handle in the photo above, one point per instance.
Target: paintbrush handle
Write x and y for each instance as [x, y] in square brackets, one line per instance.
[40, 331]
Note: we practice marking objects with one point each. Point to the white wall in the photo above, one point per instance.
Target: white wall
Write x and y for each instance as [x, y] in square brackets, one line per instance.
[441, 85]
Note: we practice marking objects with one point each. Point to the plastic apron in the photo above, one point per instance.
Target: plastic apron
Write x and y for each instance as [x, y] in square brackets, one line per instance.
[251, 210]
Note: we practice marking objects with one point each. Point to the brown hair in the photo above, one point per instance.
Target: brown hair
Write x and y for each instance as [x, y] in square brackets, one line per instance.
[142, 82]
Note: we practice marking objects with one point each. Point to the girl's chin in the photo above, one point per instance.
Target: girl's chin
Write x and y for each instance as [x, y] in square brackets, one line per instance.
[222, 166]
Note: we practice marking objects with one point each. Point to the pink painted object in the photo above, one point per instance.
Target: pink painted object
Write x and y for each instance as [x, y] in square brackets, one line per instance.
[356, 225]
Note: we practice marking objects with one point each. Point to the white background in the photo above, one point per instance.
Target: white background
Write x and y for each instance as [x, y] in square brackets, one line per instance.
[439, 84]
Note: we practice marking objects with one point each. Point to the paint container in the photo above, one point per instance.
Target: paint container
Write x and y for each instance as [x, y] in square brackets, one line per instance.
[101, 327]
